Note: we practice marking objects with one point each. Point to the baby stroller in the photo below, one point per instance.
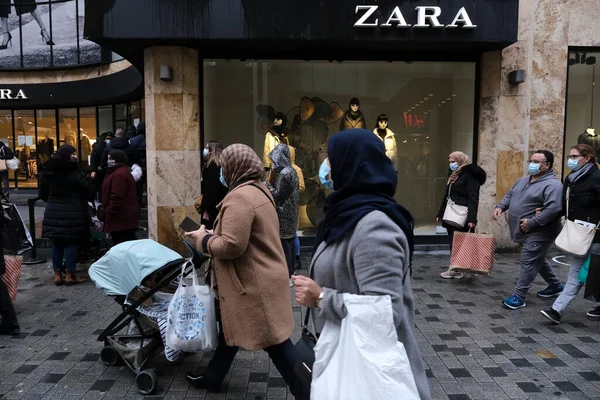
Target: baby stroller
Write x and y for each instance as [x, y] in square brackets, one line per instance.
[135, 274]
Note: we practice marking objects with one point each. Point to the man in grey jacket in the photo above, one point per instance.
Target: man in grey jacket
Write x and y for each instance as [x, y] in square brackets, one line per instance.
[534, 205]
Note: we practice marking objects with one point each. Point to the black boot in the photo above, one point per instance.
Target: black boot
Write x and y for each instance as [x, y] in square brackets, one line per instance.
[203, 382]
[10, 328]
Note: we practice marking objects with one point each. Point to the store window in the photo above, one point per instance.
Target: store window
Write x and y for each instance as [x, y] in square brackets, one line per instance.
[6, 129]
[67, 125]
[429, 107]
[25, 149]
[105, 119]
[47, 142]
[87, 133]
[583, 98]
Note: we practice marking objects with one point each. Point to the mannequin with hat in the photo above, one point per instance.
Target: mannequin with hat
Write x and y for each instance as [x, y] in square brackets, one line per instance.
[353, 118]
[388, 138]
[276, 135]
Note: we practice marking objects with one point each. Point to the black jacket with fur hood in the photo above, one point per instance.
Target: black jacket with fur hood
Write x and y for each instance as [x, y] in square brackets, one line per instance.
[465, 191]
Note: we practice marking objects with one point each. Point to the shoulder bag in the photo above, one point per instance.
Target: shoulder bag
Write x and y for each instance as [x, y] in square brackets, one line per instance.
[574, 238]
[455, 215]
[305, 353]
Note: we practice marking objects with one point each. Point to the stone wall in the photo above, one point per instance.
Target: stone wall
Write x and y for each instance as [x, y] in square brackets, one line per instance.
[516, 120]
[173, 141]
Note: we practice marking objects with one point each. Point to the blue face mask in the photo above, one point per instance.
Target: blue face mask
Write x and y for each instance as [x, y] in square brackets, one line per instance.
[325, 170]
[574, 165]
[205, 152]
[533, 168]
[223, 181]
[453, 166]
[111, 163]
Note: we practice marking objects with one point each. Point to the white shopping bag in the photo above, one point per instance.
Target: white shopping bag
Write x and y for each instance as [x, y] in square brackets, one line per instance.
[362, 359]
[191, 318]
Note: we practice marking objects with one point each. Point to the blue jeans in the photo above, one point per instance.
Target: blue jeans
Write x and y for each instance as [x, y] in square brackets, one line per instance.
[297, 245]
[573, 286]
[66, 250]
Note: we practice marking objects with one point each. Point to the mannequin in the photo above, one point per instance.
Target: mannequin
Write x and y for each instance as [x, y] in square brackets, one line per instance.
[70, 136]
[276, 135]
[86, 146]
[389, 139]
[590, 137]
[353, 118]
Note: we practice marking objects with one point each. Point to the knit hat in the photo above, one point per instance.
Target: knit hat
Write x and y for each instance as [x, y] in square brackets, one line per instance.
[65, 152]
[119, 156]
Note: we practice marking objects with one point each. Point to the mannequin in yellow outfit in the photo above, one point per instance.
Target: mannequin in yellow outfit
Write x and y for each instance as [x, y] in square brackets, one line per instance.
[273, 137]
[389, 139]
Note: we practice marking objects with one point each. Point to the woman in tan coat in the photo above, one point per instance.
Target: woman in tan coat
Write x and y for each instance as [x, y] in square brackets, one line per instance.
[250, 272]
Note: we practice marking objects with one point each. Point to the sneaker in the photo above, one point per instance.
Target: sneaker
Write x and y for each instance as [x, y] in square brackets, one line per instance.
[595, 313]
[514, 303]
[451, 275]
[552, 315]
[551, 291]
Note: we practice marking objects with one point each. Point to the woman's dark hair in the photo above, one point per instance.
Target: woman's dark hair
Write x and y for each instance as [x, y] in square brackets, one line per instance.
[381, 117]
[282, 117]
[548, 155]
[215, 152]
[354, 101]
[587, 151]
[119, 156]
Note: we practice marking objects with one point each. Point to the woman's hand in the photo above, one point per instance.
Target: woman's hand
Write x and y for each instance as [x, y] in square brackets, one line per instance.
[307, 290]
[471, 225]
[196, 236]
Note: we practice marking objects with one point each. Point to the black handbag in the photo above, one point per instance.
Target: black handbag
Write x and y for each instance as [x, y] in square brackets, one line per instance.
[305, 352]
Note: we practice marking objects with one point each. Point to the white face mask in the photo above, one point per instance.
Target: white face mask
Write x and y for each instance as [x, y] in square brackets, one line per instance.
[205, 152]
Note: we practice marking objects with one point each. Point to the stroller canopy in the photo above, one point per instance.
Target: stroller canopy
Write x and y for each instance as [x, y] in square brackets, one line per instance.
[127, 264]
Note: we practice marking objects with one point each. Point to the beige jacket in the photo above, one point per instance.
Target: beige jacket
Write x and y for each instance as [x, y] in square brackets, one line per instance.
[391, 149]
[271, 141]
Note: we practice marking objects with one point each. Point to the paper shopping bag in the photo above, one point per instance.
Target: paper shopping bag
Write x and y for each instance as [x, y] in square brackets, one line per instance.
[12, 275]
[473, 253]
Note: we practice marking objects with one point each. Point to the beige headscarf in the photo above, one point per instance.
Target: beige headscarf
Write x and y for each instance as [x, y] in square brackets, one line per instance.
[240, 162]
[462, 159]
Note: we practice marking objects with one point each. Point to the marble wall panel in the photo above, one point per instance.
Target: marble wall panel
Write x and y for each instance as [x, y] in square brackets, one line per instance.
[513, 123]
[171, 57]
[526, 18]
[168, 221]
[514, 57]
[584, 18]
[168, 122]
[551, 22]
[510, 169]
[191, 121]
[491, 64]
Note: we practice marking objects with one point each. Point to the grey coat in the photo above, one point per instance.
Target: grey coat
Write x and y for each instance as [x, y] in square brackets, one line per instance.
[372, 260]
[524, 198]
[285, 191]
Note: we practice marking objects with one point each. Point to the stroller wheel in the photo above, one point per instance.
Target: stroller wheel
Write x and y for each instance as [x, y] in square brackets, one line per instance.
[109, 356]
[146, 381]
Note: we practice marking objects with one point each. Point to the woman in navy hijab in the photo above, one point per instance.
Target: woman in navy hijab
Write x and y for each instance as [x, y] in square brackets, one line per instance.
[365, 244]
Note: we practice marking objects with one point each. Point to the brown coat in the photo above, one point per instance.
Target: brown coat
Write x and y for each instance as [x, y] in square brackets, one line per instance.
[250, 270]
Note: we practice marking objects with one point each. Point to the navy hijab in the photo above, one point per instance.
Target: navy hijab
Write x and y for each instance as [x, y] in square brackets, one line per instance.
[364, 180]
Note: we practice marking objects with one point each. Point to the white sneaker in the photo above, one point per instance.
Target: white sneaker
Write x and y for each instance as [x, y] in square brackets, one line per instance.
[451, 275]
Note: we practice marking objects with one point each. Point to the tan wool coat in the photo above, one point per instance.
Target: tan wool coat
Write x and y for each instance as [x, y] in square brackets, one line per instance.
[250, 270]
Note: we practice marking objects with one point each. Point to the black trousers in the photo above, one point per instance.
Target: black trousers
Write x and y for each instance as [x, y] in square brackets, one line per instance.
[289, 248]
[123, 236]
[7, 311]
[283, 356]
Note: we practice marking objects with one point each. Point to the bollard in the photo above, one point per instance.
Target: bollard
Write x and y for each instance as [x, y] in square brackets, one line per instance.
[33, 260]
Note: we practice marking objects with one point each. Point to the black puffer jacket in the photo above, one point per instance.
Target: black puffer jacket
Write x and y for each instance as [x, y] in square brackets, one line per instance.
[465, 191]
[285, 191]
[66, 191]
[584, 199]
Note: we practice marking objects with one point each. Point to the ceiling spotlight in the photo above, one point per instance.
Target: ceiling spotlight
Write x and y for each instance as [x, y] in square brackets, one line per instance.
[430, 94]
[453, 94]
[427, 137]
[421, 102]
[448, 98]
[444, 102]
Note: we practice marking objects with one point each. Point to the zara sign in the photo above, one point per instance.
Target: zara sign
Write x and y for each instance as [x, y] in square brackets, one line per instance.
[7, 94]
[427, 16]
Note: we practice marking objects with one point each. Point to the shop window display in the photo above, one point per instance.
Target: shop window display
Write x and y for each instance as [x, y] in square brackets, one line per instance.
[422, 111]
[583, 98]
[25, 148]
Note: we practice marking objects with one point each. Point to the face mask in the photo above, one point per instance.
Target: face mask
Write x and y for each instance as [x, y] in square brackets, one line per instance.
[205, 152]
[325, 170]
[573, 165]
[453, 166]
[223, 181]
[534, 168]
[111, 163]
[107, 141]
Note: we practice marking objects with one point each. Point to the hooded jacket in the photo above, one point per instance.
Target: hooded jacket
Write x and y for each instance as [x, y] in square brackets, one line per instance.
[66, 192]
[119, 198]
[465, 191]
[285, 191]
[524, 198]
[389, 141]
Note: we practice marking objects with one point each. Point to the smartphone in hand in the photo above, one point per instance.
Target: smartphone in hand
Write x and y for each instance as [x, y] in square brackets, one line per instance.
[189, 225]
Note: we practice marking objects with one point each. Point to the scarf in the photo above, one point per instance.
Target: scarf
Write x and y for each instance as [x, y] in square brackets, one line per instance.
[462, 159]
[364, 180]
[583, 171]
[241, 164]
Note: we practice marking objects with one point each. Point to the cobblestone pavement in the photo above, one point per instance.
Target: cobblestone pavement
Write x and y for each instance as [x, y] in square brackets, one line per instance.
[474, 348]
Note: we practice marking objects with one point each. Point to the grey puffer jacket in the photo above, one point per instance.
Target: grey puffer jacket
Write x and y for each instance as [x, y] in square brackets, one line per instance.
[285, 191]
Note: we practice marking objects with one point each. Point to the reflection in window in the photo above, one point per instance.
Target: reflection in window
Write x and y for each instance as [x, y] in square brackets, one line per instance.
[46, 129]
[583, 113]
[26, 148]
[105, 119]
[6, 135]
[429, 108]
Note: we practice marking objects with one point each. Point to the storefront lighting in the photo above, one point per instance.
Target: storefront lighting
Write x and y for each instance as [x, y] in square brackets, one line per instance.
[453, 94]
[430, 94]
[448, 98]
[443, 102]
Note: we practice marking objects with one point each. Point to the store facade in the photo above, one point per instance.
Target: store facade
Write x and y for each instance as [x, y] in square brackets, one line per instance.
[439, 71]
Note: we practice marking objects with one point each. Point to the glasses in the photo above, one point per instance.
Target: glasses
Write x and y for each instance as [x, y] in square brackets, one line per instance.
[574, 156]
[537, 161]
